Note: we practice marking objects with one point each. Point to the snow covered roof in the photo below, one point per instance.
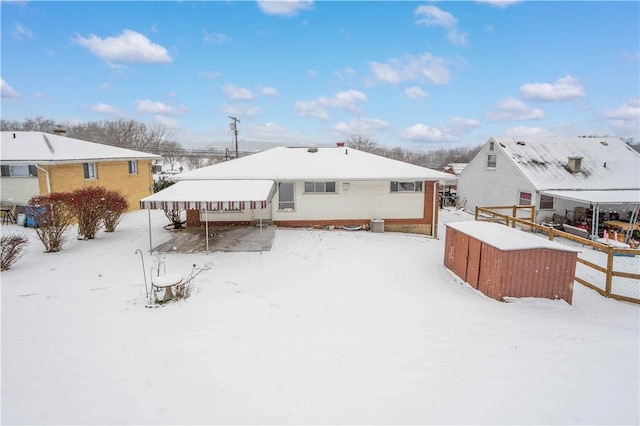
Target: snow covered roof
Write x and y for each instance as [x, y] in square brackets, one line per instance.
[48, 148]
[212, 195]
[606, 163]
[299, 163]
[629, 196]
[505, 238]
[455, 168]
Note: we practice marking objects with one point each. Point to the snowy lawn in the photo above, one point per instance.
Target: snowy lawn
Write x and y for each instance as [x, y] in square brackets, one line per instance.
[327, 327]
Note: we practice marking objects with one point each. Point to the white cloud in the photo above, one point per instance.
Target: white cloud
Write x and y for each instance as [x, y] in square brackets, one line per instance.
[347, 100]
[415, 92]
[410, 68]
[146, 106]
[168, 122]
[564, 88]
[21, 32]
[499, 3]
[129, 47]
[209, 74]
[523, 131]
[423, 133]
[270, 91]
[311, 109]
[39, 95]
[284, 7]
[106, 87]
[513, 109]
[360, 126]
[432, 16]
[7, 91]
[236, 92]
[105, 109]
[215, 38]
[627, 112]
[456, 127]
[241, 109]
[345, 73]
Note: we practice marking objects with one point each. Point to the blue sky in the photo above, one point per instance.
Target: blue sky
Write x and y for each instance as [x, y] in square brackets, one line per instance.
[418, 75]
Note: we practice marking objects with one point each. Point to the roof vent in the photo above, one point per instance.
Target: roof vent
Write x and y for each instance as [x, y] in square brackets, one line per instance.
[521, 143]
[312, 149]
[605, 143]
[575, 164]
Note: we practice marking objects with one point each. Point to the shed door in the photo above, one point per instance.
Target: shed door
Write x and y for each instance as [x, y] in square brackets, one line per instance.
[461, 247]
[473, 262]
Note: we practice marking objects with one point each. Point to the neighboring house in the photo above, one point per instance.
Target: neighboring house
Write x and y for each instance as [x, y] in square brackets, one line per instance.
[553, 174]
[37, 163]
[452, 169]
[322, 187]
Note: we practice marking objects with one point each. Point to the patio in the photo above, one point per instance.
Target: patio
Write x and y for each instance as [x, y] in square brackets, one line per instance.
[221, 238]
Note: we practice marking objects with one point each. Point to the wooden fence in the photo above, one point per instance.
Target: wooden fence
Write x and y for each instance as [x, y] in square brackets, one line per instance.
[612, 272]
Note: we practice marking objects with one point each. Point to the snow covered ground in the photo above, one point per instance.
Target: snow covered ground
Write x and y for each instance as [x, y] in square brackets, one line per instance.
[327, 327]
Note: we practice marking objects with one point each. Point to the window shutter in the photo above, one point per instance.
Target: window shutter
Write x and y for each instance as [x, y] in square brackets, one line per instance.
[33, 170]
[85, 167]
[6, 171]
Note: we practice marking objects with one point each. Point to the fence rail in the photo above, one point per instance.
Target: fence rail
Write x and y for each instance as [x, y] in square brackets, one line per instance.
[611, 271]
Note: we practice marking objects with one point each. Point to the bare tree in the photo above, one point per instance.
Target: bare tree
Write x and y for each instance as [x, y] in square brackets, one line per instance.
[362, 143]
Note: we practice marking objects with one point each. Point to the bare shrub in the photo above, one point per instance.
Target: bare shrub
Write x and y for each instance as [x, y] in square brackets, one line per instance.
[114, 206]
[12, 247]
[175, 216]
[88, 207]
[52, 218]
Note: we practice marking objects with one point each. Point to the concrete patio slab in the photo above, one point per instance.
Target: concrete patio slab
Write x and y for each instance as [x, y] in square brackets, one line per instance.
[221, 238]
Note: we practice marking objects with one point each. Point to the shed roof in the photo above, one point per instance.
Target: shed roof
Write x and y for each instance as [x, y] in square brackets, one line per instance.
[607, 163]
[338, 163]
[40, 147]
[630, 196]
[505, 238]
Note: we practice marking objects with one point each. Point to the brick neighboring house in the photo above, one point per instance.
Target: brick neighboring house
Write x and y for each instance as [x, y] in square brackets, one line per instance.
[38, 163]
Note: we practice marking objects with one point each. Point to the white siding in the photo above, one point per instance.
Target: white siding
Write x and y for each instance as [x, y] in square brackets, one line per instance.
[362, 200]
[18, 190]
[246, 215]
[481, 186]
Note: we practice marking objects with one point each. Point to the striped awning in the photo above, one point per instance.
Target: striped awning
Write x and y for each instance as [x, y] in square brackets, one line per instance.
[212, 195]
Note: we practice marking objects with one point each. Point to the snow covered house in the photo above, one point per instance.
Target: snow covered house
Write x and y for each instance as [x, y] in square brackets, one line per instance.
[308, 187]
[38, 163]
[553, 174]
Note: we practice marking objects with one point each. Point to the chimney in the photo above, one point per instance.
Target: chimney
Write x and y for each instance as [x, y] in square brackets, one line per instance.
[575, 164]
[60, 131]
[340, 144]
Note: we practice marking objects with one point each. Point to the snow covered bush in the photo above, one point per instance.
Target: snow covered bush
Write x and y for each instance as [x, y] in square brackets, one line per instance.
[52, 218]
[175, 216]
[114, 206]
[11, 248]
[88, 207]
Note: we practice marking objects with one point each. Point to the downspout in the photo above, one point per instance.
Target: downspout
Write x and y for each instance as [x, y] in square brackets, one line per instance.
[47, 178]
[433, 213]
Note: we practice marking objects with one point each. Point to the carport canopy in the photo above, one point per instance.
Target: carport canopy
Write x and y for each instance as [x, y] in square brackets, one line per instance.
[601, 197]
[212, 195]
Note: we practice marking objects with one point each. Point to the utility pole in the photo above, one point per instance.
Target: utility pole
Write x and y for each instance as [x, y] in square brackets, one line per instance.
[234, 127]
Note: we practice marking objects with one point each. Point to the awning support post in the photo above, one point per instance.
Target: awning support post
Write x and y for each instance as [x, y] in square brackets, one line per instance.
[150, 244]
[206, 228]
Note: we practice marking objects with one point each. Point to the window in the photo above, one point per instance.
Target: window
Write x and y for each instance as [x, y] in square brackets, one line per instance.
[133, 167]
[546, 202]
[491, 161]
[319, 187]
[20, 171]
[285, 196]
[89, 170]
[397, 186]
[491, 146]
[524, 199]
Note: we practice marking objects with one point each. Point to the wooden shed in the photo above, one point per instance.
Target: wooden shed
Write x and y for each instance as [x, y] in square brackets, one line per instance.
[505, 262]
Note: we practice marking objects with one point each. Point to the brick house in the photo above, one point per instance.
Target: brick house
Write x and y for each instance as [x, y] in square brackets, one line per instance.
[38, 163]
[309, 187]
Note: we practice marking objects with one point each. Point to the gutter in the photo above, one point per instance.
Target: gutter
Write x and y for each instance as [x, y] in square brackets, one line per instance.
[47, 178]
